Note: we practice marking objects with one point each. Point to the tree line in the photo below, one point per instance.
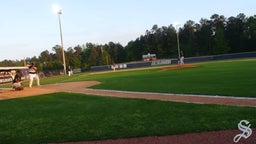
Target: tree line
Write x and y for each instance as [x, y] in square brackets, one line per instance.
[217, 35]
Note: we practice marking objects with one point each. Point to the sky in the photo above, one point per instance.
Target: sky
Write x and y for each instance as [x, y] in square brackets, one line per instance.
[29, 27]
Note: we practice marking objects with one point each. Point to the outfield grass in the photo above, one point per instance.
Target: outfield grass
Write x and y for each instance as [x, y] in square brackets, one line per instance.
[229, 78]
[76, 117]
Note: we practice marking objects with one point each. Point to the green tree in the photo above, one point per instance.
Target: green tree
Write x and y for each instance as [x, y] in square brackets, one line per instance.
[204, 37]
[73, 59]
[78, 52]
[116, 52]
[57, 56]
[93, 59]
[250, 33]
[45, 56]
[187, 38]
[220, 42]
[135, 49]
[85, 56]
[234, 32]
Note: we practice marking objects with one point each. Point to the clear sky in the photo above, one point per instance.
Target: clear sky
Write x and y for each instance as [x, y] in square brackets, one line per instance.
[28, 27]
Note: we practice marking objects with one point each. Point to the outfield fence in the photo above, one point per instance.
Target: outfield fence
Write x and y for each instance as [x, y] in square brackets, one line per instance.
[173, 61]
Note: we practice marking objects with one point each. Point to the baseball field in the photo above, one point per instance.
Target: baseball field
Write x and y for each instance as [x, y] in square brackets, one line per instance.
[72, 109]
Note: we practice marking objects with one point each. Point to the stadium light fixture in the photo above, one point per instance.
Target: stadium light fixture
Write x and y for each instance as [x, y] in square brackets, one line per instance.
[57, 9]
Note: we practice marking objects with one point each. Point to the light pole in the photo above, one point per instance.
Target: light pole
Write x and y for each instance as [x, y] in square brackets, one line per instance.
[62, 46]
[178, 42]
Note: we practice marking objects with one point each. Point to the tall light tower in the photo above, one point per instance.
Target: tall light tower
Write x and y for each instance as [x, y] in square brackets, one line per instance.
[178, 41]
[62, 45]
[57, 10]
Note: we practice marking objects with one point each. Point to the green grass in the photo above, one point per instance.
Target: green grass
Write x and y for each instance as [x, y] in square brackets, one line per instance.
[230, 78]
[63, 117]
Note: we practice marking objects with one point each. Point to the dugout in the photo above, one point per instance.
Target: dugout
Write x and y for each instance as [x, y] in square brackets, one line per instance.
[7, 74]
